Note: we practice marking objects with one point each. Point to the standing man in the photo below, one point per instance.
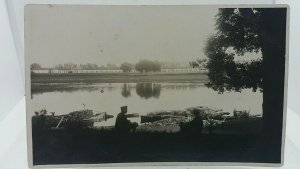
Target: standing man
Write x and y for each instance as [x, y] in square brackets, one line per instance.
[122, 123]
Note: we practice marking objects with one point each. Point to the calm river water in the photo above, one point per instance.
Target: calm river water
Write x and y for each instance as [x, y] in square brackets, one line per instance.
[143, 98]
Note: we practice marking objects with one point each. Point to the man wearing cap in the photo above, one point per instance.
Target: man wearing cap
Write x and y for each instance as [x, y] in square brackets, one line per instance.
[122, 123]
[194, 126]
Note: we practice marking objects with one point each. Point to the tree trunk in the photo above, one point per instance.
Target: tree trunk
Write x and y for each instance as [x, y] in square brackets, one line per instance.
[273, 43]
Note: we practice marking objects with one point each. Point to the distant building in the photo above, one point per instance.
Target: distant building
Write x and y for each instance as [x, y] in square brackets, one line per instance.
[70, 71]
[76, 71]
[42, 70]
[183, 70]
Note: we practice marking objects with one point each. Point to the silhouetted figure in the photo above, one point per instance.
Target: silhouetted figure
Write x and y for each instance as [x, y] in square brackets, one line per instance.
[210, 126]
[123, 124]
[194, 126]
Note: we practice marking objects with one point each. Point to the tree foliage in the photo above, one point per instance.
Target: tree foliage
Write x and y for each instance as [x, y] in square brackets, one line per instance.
[240, 30]
[126, 67]
[148, 66]
[35, 66]
[200, 63]
[226, 74]
[66, 66]
[89, 66]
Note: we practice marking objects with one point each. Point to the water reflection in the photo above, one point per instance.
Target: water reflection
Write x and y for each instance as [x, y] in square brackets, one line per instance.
[148, 90]
[126, 90]
[183, 86]
[65, 88]
[38, 89]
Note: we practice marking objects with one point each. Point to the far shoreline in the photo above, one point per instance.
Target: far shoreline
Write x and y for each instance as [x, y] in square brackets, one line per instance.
[50, 79]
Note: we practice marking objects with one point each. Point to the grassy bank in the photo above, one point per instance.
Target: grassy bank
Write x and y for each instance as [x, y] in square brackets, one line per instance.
[94, 146]
[89, 146]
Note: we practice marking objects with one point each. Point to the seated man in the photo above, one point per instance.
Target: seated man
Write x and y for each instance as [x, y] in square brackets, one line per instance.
[194, 126]
[122, 124]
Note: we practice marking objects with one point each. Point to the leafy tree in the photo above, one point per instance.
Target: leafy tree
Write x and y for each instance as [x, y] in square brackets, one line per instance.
[69, 66]
[226, 74]
[66, 66]
[111, 66]
[126, 67]
[148, 66]
[241, 30]
[35, 66]
[89, 66]
[59, 67]
[143, 66]
[156, 66]
[245, 30]
[200, 63]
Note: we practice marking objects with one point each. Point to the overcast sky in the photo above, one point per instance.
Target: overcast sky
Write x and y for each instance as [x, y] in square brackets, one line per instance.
[116, 34]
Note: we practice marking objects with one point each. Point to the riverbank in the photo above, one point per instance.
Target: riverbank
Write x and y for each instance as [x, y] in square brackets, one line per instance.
[40, 79]
[89, 146]
[235, 140]
[234, 126]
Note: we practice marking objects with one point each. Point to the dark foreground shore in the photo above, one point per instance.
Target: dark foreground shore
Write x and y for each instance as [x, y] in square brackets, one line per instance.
[90, 146]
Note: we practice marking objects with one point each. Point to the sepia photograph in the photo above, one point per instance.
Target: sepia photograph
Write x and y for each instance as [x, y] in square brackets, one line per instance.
[157, 84]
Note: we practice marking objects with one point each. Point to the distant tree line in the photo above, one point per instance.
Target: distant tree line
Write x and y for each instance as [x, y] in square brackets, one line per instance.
[88, 66]
[68, 66]
[143, 65]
